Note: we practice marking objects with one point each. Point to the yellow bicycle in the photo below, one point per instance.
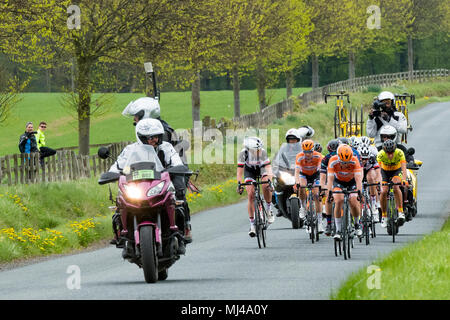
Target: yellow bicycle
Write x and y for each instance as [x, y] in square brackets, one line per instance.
[401, 105]
[346, 121]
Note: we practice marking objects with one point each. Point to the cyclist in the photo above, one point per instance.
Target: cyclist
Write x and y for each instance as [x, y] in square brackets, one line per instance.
[372, 174]
[331, 147]
[393, 168]
[344, 170]
[253, 161]
[318, 147]
[366, 142]
[307, 170]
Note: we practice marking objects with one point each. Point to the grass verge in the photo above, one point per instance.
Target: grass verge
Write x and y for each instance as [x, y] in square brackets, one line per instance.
[419, 271]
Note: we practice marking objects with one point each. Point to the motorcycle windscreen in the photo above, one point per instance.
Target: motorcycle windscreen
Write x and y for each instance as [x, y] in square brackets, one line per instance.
[285, 158]
[143, 164]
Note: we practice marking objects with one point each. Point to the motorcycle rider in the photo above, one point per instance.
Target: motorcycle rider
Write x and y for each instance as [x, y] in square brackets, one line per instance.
[293, 139]
[149, 108]
[150, 131]
[384, 113]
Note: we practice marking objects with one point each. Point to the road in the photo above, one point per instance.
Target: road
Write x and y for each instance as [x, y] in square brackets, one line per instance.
[224, 263]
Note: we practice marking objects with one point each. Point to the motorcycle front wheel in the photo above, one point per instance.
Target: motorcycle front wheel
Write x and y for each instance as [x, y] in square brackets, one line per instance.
[148, 254]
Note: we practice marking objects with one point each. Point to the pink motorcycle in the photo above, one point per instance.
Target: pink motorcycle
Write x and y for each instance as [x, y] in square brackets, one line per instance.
[146, 200]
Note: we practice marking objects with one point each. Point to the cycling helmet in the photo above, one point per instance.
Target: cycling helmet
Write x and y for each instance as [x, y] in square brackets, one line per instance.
[354, 142]
[386, 95]
[389, 132]
[345, 153]
[318, 147]
[305, 132]
[343, 140]
[364, 152]
[389, 146]
[148, 128]
[143, 108]
[293, 134]
[365, 141]
[332, 145]
[253, 143]
[308, 146]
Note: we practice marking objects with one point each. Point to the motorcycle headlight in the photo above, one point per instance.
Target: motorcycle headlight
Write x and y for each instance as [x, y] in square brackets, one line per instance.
[155, 190]
[133, 192]
[287, 178]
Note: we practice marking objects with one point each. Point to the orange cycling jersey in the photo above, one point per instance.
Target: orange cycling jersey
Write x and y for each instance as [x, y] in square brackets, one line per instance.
[308, 166]
[344, 171]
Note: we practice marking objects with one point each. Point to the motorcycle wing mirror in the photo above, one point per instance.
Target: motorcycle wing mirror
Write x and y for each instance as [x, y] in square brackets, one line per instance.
[182, 170]
[103, 152]
[108, 177]
[411, 151]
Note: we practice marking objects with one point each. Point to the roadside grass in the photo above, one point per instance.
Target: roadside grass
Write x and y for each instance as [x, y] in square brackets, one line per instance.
[112, 126]
[419, 271]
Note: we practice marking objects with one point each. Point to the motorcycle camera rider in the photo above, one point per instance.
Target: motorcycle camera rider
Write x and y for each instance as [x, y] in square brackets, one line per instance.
[150, 132]
[149, 108]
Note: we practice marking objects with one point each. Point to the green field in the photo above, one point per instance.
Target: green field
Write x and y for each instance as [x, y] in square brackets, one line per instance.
[112, 126]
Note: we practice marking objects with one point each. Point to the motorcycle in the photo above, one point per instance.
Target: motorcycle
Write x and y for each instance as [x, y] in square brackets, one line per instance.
[412, 170]
[286, 199]
[151, 227]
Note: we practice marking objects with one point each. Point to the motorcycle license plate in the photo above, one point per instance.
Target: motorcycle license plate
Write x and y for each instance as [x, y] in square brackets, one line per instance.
[143, 174]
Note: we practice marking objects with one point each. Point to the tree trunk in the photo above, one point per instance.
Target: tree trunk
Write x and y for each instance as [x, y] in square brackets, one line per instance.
[315, 71]
[289, 83]
[236, 92]
[261, 85]
[84, 105]
[72, 74]
[351, 65]
[196, 99]
[410, 57]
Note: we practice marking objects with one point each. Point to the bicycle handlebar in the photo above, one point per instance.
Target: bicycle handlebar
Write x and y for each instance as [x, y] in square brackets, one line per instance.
[251, 183]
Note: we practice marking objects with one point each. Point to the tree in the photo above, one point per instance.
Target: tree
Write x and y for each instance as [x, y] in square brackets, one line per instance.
[106, 31]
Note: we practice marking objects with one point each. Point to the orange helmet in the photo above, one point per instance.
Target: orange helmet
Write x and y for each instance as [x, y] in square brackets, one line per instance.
[308, 145]
[345, 153]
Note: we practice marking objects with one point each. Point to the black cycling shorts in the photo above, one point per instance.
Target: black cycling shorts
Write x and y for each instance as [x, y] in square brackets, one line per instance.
[388, 175]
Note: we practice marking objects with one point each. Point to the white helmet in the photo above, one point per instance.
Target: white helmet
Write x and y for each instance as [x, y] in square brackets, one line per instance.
[253, 143]
[144, 108]
[147, 128]
[364, 152]
[355, 142]
[365, 141]
[388, 131]
[294, 134]
[306, 132]
[386, 95]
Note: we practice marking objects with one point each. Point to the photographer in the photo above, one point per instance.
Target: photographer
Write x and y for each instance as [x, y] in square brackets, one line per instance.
[27, 141]
[383, 113]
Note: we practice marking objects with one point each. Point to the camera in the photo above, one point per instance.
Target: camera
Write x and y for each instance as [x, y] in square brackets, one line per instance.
[377, 107]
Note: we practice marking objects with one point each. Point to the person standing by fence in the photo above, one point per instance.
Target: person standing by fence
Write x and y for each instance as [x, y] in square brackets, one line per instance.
[40, 138]
[27, 141]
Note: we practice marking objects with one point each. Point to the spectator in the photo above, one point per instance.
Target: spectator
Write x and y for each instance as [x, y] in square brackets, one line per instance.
[27, 141]
[40, 138]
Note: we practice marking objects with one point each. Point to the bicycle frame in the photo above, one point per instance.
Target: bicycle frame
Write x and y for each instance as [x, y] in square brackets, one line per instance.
[392, 212]
[311, 215]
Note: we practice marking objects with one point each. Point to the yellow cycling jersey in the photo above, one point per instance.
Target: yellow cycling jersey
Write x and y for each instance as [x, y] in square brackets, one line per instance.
[391, 164]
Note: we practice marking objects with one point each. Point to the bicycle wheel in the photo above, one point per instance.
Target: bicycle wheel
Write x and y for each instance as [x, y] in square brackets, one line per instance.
[362, 121]
[349, 128]
[312, 213]
[264, 225]
[345, 234]
[258, 228]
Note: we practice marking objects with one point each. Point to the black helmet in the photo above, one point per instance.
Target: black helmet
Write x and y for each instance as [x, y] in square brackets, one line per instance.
[318, 147]
[332, 145]
[343, 140]
[389, 146]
